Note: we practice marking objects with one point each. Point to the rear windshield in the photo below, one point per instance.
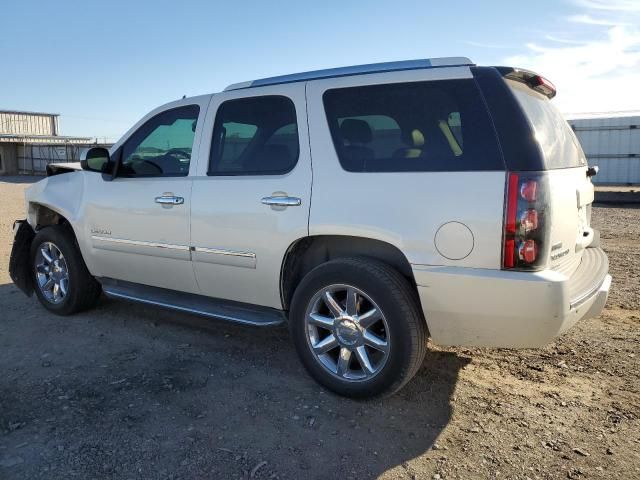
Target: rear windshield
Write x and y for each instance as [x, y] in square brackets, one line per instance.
[418, 126]
[558, 143]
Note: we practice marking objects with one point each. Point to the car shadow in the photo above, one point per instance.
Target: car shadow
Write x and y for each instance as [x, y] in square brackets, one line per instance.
[21, 178]
[210, 399]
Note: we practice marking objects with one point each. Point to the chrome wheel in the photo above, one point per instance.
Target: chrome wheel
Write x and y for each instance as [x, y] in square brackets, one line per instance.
[347, 332]
[52, 273]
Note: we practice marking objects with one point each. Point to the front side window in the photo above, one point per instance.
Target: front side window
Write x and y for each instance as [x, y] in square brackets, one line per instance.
[418, 126]
[162, 147]
[255, 136]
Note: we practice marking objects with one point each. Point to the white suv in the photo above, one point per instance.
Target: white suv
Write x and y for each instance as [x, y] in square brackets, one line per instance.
[369, 207]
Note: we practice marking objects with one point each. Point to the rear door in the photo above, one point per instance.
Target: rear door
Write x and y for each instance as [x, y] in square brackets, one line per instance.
[251, 197]
[571, 192]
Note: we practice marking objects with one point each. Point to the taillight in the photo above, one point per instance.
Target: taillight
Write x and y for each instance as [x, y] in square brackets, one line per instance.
[525, 233]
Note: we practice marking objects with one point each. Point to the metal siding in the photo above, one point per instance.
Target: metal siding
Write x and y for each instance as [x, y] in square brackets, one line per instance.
[611, 144]
[18, 123]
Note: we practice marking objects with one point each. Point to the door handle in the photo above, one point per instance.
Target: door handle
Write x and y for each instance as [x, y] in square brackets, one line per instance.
[169, 200]
[282, 201]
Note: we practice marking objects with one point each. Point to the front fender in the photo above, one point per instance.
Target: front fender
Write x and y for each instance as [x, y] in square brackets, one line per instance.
[19, 262]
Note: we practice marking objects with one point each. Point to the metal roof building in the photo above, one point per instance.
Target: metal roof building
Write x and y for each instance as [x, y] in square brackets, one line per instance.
[613, 144]
[31, 140]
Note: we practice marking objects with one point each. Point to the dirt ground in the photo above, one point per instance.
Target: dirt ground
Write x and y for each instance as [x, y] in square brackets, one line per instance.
[130, 392]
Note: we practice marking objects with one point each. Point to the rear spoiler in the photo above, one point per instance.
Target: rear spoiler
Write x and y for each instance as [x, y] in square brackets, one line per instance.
[531, 79]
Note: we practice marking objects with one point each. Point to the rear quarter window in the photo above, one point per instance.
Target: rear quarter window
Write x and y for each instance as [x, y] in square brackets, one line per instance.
[417, 126]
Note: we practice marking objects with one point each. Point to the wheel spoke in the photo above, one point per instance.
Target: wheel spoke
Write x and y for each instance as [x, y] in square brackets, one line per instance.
[320, 320]
[363, 359]
[369, 318]
[48, 284]
[63, 286]
[375, 341]
[332, 303]
[325, 345]
[42, 269]
[56, 291]
[46, 255]
[352, 301]
[343, 361]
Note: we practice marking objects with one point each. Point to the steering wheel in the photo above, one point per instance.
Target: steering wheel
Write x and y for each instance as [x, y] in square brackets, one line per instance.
[178, 153]
[153, 164]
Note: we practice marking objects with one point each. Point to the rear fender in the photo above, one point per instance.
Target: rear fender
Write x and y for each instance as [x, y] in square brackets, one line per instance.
[19, 263]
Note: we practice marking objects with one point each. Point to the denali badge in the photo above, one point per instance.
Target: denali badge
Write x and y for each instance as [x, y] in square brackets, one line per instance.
[559, 255]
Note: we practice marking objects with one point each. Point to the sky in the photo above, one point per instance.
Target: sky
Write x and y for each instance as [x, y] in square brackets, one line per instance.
[103, 65]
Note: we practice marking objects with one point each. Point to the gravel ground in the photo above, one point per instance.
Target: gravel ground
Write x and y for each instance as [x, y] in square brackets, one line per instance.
[126, 391]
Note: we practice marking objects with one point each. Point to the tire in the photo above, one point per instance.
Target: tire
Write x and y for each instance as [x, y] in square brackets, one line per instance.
[81, 290]
[400, 334]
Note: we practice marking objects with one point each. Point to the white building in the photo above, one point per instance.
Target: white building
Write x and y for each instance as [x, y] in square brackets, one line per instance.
[31, 140]
[613, 144]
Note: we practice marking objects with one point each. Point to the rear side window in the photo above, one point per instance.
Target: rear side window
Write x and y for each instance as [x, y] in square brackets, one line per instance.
[559, 145]
[254, 136]
[418, 126]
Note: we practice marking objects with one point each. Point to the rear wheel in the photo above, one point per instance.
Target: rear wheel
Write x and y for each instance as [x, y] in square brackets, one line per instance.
[357, 327]
[60, 277]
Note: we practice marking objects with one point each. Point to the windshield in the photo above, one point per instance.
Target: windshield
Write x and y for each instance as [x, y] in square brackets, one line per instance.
[557, 141]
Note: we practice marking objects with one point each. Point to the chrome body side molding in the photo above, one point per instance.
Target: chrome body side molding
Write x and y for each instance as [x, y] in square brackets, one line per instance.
[180, 252]
[139, 247]
[223, 257]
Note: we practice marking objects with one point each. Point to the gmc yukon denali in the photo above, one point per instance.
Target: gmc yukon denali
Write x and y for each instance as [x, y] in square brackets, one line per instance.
[368, 207]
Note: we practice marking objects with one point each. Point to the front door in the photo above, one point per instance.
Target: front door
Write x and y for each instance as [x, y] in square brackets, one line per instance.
[251, 200]
[138, 223]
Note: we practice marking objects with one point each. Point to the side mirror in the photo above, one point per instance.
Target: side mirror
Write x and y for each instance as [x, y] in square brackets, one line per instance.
[97, 159]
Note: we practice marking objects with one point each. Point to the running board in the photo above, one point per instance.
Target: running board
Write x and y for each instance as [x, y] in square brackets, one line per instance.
[191, 303]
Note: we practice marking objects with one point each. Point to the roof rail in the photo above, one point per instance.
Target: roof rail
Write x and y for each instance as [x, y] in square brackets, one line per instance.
[355, 70]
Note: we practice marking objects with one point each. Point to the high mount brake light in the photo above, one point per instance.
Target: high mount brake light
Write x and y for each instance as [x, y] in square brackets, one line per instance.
[525, 235]
[542, 85]
[529, 78]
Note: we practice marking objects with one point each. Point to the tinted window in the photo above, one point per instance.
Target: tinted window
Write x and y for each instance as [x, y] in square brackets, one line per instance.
[422, 126]
[162, 146]
[255, 136]
[559, 145]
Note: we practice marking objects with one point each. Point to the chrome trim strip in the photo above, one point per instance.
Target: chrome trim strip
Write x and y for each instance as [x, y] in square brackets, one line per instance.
[220, 251]
[111, 293]
[140, 243]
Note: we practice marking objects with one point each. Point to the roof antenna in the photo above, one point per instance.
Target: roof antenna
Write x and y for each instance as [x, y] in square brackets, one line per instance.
[184, 96]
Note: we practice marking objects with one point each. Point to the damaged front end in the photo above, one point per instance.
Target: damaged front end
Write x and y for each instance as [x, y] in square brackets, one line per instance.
[19, 263]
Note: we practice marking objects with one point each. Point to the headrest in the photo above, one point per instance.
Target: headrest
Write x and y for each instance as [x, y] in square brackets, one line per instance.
[413, 138]
[276, 150]
[272, 157]
[356, 131]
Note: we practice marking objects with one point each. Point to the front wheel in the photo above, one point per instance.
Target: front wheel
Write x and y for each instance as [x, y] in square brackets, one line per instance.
[60, 277]
[357, 327]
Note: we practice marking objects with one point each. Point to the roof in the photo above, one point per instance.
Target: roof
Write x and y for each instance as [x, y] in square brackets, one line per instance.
[355, 70]
[43, 139]
[24, 112]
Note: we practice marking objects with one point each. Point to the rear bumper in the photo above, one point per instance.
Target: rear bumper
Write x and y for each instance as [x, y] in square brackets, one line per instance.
[495, 308]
